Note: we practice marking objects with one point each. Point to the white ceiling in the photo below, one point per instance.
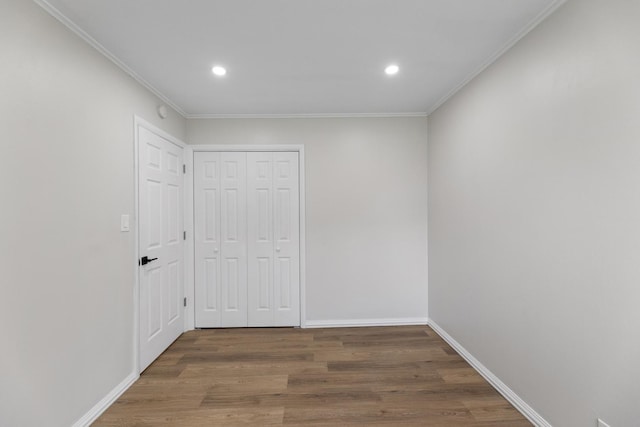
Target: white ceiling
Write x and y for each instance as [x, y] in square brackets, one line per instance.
[302, 57]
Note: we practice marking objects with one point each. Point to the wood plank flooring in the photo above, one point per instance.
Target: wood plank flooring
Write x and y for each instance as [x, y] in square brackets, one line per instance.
[383, 376]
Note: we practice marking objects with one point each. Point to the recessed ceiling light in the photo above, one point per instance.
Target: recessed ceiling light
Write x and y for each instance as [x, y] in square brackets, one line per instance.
[219, 71]
[392, 69]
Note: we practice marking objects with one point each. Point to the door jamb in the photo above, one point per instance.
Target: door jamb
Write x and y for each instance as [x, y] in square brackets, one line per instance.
[187, 156]
[299, 148]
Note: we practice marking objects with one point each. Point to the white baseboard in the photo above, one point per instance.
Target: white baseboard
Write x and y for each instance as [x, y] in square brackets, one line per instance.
[106, 401]
[350, 323]
[502, 388]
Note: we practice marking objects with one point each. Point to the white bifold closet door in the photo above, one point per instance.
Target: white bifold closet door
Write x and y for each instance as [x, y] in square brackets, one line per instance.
[273, 207]
[247, 239]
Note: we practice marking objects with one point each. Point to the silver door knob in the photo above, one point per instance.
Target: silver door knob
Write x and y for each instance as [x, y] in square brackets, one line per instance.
[215, 250]
[278, 249]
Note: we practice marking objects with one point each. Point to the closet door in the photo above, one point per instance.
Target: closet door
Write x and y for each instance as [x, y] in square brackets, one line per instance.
[233, 232]
[220, 240]
[287, 239]
[261, 238]
[207, 239]
[247, 239]
[274, 239]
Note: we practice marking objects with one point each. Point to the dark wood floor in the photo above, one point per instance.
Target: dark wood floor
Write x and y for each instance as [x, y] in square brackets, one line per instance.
[391, 376]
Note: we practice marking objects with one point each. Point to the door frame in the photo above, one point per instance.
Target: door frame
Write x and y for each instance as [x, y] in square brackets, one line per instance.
[188, 262]
[189, 220]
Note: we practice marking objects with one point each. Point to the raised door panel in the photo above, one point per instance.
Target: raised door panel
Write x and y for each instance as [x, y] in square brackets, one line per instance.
[153, 302]
[152, 203]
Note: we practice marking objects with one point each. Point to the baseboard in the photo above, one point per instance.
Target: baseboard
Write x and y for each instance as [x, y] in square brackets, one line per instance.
[502, 388]
[350, 323]
[106, 401]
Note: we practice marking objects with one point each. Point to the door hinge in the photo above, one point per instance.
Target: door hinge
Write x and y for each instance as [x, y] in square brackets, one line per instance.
[184, 168]
[185, 301]
[184, 235]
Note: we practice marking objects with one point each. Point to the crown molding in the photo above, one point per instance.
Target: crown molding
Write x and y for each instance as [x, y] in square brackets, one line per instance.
[305, 116]
[53, 11]
[94, 43]
[553, 6]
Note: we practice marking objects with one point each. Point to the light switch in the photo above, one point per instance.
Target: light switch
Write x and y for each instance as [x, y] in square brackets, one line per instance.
[124, 223]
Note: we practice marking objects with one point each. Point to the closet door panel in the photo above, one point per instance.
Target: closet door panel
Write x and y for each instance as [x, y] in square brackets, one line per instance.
[220, 239]
[207, 240]
[233, 242]
[260, 234]
[287, 239]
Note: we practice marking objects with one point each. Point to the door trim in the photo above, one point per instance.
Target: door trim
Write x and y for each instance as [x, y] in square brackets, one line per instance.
[189, 261]
[139, 122]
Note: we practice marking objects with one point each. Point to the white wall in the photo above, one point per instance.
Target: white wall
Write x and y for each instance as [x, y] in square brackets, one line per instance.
[534, 216]
[67, 275]
[366, 208]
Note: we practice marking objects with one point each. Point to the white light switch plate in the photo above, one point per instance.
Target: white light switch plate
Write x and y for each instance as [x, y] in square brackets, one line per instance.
[602, 423]
[124, 223]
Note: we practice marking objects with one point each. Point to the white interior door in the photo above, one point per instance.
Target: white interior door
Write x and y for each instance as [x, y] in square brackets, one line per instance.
[220, 240]
[161, 206]
[247, 239]
[274, 239]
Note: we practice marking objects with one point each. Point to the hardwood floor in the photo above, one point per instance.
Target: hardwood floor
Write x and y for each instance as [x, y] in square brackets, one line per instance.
[383, 376]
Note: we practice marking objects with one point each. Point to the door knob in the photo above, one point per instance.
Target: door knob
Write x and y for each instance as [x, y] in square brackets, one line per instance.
[215, 250]
[146, 260]
[278, 249]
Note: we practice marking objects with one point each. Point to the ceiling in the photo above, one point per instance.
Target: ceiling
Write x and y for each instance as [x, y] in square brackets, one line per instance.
[302, 57]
